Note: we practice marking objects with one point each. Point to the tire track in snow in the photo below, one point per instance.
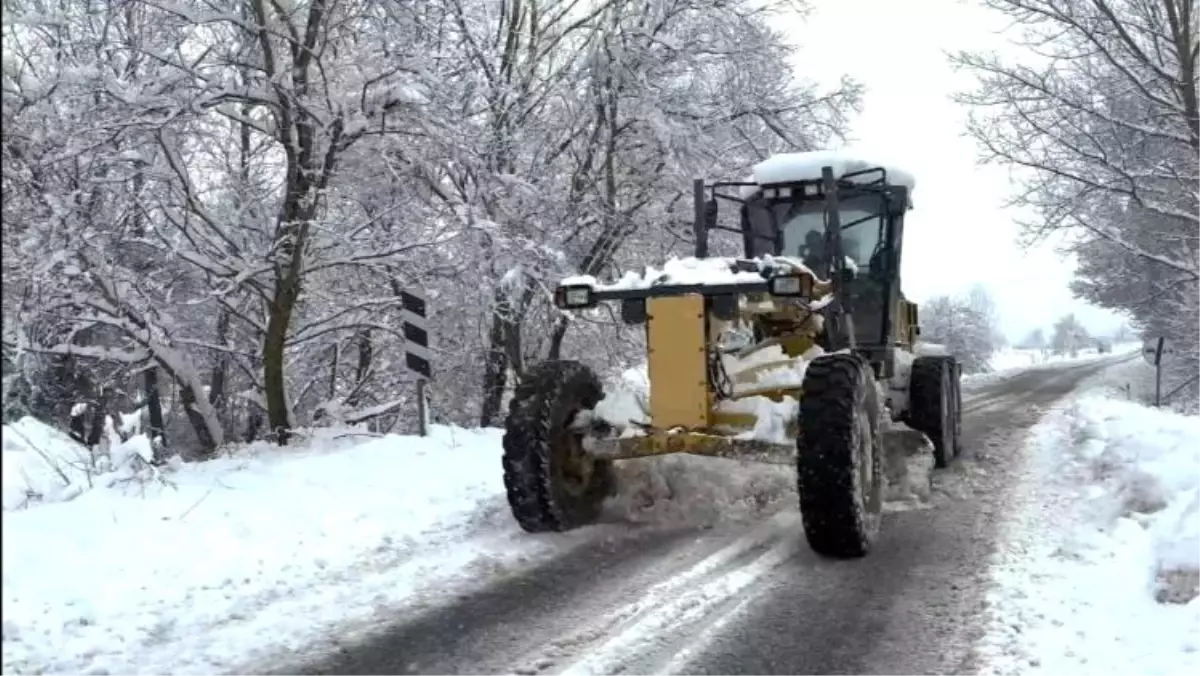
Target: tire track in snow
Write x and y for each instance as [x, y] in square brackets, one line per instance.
[668, 612]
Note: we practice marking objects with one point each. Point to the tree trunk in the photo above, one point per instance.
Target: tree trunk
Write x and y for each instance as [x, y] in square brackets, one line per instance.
[154, 407]
[278, 419]
[495, 368]
[333, 370]
[188, 398]
[556, 339]
[216, 383]
[79, 427]
[366, 352]
[253, 424]
[99, 413]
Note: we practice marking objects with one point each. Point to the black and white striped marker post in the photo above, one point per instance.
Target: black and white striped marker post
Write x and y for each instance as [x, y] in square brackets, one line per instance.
[417, 356]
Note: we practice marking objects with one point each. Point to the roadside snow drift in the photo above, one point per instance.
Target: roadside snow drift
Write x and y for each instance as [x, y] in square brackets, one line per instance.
[214, 567]
[1101, 564]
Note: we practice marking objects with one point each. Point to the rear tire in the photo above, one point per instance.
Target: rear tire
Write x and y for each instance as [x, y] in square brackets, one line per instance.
[934, 405]
[839, 458]
[552, 483]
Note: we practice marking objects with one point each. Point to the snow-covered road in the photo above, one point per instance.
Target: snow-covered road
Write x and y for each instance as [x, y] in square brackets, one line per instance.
[745, 595]
[397, 555]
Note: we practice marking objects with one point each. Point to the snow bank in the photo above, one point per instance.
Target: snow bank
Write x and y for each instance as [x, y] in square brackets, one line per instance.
[43, 464]
[1098, 571]
[223, 565]
[791, 167]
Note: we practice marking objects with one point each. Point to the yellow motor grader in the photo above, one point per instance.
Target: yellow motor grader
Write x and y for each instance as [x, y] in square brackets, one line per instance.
[799, 347]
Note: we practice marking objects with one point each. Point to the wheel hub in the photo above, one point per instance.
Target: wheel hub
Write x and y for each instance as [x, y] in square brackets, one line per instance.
[574, 465]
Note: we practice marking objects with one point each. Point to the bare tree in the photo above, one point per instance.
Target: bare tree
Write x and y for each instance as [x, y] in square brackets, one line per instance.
[1101, 120]
[237, 192]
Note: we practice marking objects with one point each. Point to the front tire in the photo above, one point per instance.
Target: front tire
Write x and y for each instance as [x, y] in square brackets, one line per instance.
[839, 457]
[553, 484]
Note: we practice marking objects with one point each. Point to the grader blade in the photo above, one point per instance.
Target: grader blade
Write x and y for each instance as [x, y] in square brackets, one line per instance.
[711, 445]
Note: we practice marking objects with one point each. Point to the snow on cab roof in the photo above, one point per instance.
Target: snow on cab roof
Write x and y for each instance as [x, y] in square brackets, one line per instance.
[790, 167]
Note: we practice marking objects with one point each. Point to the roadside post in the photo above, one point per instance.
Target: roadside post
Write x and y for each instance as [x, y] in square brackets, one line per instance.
[1153, 351]
[417, 355]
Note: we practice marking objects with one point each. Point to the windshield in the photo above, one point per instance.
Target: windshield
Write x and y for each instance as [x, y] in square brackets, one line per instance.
[802, 229]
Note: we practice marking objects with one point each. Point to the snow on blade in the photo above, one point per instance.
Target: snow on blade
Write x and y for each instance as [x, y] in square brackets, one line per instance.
[692, 271]
[222, 566]
[791, 167]
[688, 270]
[1099, 568]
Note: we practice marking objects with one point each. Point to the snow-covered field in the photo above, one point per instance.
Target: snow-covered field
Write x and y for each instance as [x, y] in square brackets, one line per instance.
[1099, 571]
[1010, 361]
[209, 567]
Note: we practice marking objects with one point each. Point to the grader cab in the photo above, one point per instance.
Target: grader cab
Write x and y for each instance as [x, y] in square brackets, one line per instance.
[791, 353]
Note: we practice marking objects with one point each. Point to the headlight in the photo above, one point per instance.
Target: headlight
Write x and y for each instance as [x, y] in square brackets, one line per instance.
[574, 297]
[796, 285]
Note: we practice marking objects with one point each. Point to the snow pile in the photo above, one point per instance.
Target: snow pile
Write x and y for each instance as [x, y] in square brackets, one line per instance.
[1099, 572]
[1146, 466]
[44, 464]
[694, 490]
[230, 563]
[748, 373]
[626, 401]
[907, 467]
[792, 167]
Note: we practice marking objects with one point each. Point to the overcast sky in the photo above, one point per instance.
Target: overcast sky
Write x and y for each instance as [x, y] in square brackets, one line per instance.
[958, 233]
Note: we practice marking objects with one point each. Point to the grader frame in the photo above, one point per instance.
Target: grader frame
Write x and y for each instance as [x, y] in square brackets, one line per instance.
[558, 452]
[684, 322]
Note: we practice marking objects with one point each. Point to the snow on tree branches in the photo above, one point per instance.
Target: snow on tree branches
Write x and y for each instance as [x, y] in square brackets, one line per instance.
[1101, 121]
[234, 195]
[967, 326]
